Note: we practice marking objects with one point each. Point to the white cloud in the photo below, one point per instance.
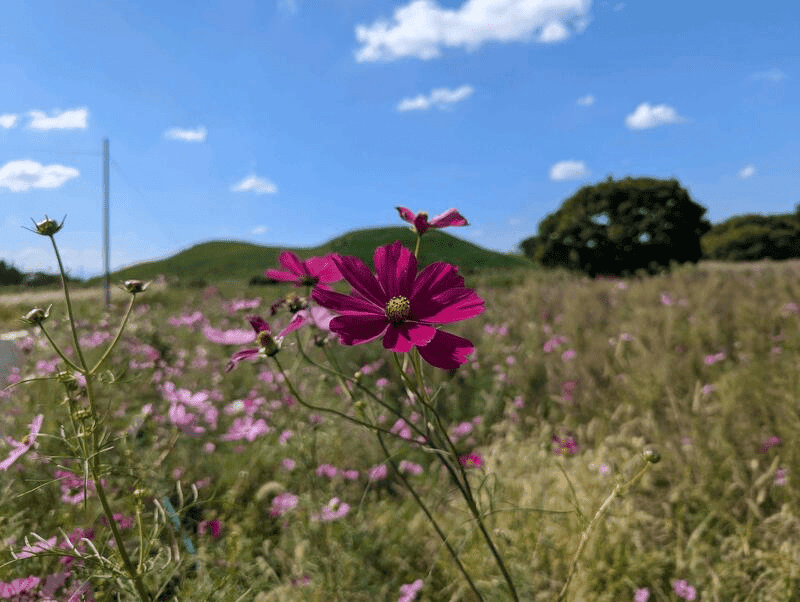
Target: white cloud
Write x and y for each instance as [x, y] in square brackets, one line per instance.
[646, 116]
[773, 75]
[259, 230]
[255, 184]
[422, 27]
[586, 100]
[747, 171]
[20, 176]
[198, 135]
[67, 120]
[568, 170]
[441, 97]
[8, 120]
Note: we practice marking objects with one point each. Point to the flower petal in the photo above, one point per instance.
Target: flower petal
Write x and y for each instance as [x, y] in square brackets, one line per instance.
[259, 324]
[450, 306]
[403, 337]
[347, 304]
[324, 269]
[300, 318]
[357, 329]
[405, 214]
[446, 351]
[396, 269]
[451, 217]
[361, 279]
[281, 276]
[434, 280]
[293, 263]
[244, 354]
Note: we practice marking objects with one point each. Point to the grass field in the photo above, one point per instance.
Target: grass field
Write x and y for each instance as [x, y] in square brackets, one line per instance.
[571, 380]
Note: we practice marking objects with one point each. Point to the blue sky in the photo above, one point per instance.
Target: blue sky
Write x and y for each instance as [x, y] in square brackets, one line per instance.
[288, 123]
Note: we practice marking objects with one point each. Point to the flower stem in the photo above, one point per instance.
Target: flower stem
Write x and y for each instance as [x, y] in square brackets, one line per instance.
[113, 344]
[585, 535]
[69, 303]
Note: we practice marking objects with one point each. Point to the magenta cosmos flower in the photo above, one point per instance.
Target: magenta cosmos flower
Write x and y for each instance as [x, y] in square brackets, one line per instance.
[402, 306]
[310, 272]
[451, 217]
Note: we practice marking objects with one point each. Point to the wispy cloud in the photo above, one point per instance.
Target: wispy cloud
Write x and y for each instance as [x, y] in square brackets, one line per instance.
[747, 171]
[74, 119]
[773, 75]
[255, 184]
[20, 176]
[197, 135]
[568, 170]
[586, 100]
[8, 121]
[422, 27]
[259, 230]
[440, 97]
[646, 116]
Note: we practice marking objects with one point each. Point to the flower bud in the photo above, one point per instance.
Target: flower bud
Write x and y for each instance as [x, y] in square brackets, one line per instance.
[135, 286]
[36, 316]
[48, 227]
[297, 303]
[652, 456]
[267, 343]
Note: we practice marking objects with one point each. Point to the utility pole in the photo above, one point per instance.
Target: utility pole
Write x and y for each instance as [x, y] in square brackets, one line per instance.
[105, 222]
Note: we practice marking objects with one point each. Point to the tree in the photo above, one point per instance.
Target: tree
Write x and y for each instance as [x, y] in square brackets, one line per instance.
[752, 237]
[618, 227]
[9, 274]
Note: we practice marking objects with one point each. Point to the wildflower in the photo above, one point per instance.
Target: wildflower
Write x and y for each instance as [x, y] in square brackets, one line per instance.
[642, 595]
[267, 346]
[770, 442]
[780, 477]
[36, 316]
[17, 587]
[402, 306]
[282, 503]
[420, 222]
[327, 470]
[376, 473]
[471, 461]
[684, 590]
[566, 445]
[20, 447]
[411, 468]
[334, 510]
[408, 591]
[211, 527]
[310, 272]
[39, 546]
[48, 227]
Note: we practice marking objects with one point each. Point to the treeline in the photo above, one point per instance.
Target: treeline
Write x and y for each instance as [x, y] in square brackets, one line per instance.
[11, 276]
[623, 226]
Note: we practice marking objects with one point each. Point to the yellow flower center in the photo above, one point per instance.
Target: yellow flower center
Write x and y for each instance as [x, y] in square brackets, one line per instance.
[398, 309]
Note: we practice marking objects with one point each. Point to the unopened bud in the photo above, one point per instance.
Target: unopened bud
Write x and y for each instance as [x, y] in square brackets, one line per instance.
[358, 376]
[652, 456]
[297, 303]
[48, 227]
[267, 343]
[135, 286]
[320, 340]
[36, 316]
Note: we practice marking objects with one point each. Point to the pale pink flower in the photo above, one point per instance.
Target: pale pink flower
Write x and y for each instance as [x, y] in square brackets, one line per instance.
[684, 590]
[641, 595]
[409, 591]
[334, 510]
[20, 447]
[282, 503]
[376, 473]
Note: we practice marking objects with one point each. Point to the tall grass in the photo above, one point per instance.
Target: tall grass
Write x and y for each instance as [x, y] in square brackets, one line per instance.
[572, 378]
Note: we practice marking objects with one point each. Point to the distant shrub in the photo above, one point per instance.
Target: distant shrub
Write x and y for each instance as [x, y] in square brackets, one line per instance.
[260, 280]
[9, 275]
[753, 237]
[619, 227]
[197, 283]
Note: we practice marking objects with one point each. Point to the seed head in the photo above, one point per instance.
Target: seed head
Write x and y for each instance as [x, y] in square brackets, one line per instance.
[36, 316]
[48, 227]
[135, 286]
[652, 456]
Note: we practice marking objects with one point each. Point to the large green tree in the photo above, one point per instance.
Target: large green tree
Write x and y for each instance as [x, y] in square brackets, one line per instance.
[621, 226]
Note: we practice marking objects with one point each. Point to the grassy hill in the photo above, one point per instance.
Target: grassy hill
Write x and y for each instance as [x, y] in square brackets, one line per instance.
[228, 260]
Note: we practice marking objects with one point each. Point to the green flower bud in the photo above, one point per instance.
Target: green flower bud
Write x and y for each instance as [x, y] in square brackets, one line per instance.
[652, 456]
[48, 227]
[135, 286]
[36, 316]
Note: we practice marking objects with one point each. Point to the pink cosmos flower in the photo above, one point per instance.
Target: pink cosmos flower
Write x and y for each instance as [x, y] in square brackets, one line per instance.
[451, 217]
[471, 461]
[310, 272]
[402, 306]
[409, 591]
[20, 447]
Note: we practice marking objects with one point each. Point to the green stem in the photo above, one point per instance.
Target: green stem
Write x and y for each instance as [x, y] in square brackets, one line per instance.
[432, 520]
[69, 303]
[116, 338]
[585, 535]
[57, 349]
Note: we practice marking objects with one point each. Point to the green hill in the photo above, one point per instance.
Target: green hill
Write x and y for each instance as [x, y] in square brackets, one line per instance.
[229, 260]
